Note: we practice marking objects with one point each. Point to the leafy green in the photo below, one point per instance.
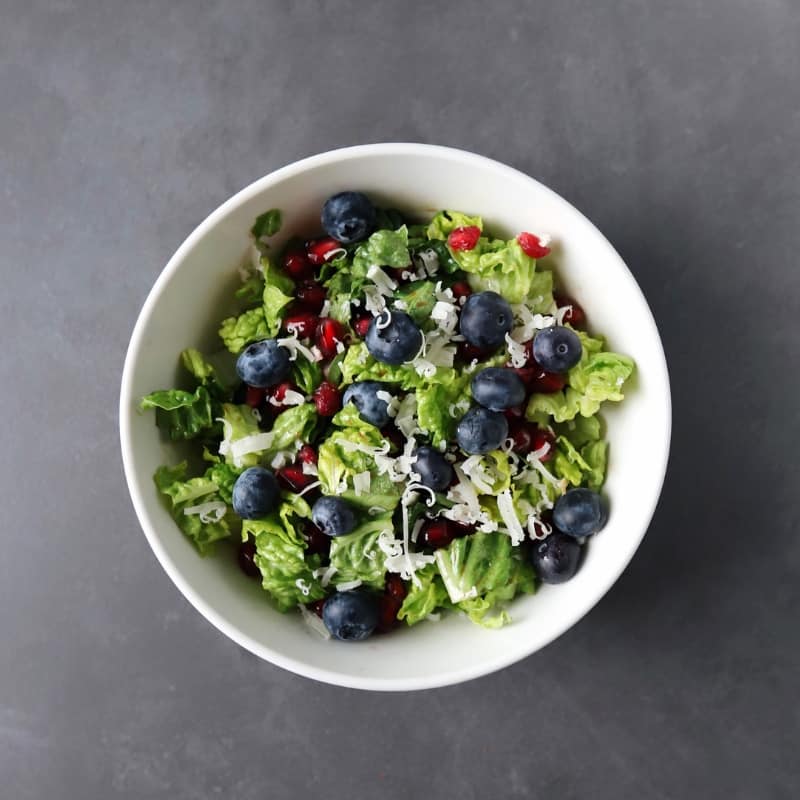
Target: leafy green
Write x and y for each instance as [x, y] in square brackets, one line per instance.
[183, 493]
[275, 276]
[540, 292]
[357, 556]
[291, 426]
[251, 290]
[181, 414]
[446, 261]
[224, 476]
[580, 430]
[597, 377]
[286, 573]
[480, 571]
[425, 598]
[498, 266]
[267, 224]
[274, 303]
[307, 375]
[447, 221]
[419, 298]
[249, 326]
[239, 422]
[359, 365]
[383, 249]
[204, 373]
[435, 401]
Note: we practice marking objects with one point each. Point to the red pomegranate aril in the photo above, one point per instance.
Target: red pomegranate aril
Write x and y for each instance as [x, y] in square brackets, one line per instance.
[522, 434]
[461, 289]
[310, 296]
[293, 478]
[254, 396]
[437, 533]
[327, 399]
[395, 587]
[304, 323]
[464, 238]
[297, 266]
[361, 325]
[468, 353]
[542, 438]
[277, 394]
[532, 245]
[246, 555]
[329, 335]
[388, 607]
[514, 413]
[547, 382]
[307, 454]
[317, 542]
[317, 607]
[575, 315]
[321, 250]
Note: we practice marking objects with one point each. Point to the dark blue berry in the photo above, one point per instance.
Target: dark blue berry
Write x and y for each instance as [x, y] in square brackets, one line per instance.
[371, 408]
[557, 349]
[434, 470]
[580, 512]
[486, 318]
[333, 516]
[255, 493]
[481, 431]
[263, 363]
[498, 388]
[556, 558]
[351, 616]
[393, 338]
[348, 217]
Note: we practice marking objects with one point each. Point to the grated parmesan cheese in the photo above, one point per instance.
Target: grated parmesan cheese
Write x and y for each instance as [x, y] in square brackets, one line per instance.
[346, 586]
[505, 506]
[295, 346]
[212, 511]
[385, 284]
[313, 622]
[361, 483]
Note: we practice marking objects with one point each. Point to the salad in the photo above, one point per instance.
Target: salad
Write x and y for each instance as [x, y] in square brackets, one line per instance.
[403, 422]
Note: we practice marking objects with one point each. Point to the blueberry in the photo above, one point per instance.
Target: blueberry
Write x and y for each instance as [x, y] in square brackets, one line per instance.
[263, 363]
[481, 430]
[556, 558]
[497, 388]
[255, 493]
[393, 338]
[333, 516]
[580, 512]
[351, 616]
[371, 408]
[434, 470]
[348, 217]
[557, 349]
[486, 318]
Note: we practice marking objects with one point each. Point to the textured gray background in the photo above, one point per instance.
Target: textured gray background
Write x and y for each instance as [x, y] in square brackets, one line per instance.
[674, 125]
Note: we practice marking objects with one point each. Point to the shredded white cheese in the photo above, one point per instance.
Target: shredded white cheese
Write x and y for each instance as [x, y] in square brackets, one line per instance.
[290, 398]
[309, 468]
[295, 346]
[212, 511]
[505, 506]
[314, 622]
[303, 586]
[385, 284]
[346, 586]
[361, 483]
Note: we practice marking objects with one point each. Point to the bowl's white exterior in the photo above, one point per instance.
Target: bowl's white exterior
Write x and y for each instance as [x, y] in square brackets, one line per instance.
[192, 294]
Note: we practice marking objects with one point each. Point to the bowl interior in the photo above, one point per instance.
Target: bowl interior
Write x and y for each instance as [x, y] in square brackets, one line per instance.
[193, 294]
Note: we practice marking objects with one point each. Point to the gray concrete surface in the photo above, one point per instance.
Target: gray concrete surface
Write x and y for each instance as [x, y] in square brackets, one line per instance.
[674, 125]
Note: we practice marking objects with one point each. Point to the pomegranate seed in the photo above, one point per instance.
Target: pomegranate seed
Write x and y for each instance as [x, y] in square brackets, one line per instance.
[297, 265]
[329, 335]
[547, 382]
[317, 607]
[514, 413]
[388, 606]
[254, 396]
[522, 434]
[468, 353]
[460, 529]
[304, 323]
[317, 542]
[395, 587]
[532, 245]
[461, 289]
[307, 454]
[293, 478]
[321, 250]
[437, 533]
[310, 296]
[545, 519]
[246, 557]
[327, 399]
[464, 238]
[361, 325]
[542, 438]
[575, 315]
[277, 394]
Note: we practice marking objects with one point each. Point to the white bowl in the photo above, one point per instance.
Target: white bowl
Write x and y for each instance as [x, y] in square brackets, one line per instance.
[192, 295]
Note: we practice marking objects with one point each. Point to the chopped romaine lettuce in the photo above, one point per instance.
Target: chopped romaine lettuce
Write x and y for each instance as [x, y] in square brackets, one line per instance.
[382, 249]
[267, 224]
[250, 326]
[180, 414]
[419, 298]
[447, 221]
[424, 596]
[357, 556]
[307, 375]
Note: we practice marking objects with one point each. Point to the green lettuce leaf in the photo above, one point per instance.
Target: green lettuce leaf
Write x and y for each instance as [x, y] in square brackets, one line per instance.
[204, 373]
[223, 476]
[252, 290]
[483, 566]
[307, 375]
[183, 493]
[598, 377]
[286, 573]
[239, 423]
[447, 221]
[540, 293]
[250, 326]
[568, 462]
[274, 303]
[435, 401]
[291, 426]
[181, 414]
[359, 365]
[425, 598]
[419, 298]
[498, 266]
[383, 249]
[267, 224]
[580, 430]
[357, 556]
